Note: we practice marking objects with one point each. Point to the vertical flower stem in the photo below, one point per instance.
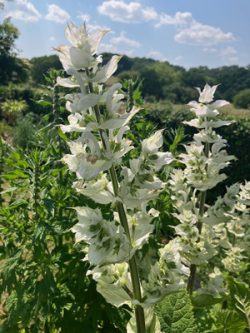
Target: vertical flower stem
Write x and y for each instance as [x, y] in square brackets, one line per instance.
[133, 267]
[191, 279]
[139, 312]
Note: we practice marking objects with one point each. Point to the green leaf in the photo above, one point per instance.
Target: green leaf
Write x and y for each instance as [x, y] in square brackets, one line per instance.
[43, 102]
[62, 135]
[18, 203]
[175, 313]
[228, 321]
[151, 322]
[238, 287]
[201, 300]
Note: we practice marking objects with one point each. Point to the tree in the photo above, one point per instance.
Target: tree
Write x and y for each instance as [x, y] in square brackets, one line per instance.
[242, 99]
[11, 68]
[41, 65]
[8, 35]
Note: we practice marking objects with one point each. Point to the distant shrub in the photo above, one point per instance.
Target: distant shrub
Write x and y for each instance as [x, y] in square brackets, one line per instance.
[41, 65]
[24, 133]
[242, 99]
[12, 109]
[20, 92]
[5, 131]
[25, 93]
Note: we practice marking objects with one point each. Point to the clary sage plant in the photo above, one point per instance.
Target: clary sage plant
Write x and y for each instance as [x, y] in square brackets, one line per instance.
[126, 274]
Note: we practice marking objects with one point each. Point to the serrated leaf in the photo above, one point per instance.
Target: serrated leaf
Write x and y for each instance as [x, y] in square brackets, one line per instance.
[175, 313]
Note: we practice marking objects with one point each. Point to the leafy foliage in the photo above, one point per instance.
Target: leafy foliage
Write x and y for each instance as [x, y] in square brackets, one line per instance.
[44, 287]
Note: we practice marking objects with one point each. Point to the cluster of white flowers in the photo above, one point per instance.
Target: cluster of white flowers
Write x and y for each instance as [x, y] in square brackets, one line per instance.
[229, 219]
[206, 156]
[217, 234]
[113, 245]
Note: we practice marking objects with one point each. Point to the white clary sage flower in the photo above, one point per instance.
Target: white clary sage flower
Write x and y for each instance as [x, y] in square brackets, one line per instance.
[216, 234]
[100, 121]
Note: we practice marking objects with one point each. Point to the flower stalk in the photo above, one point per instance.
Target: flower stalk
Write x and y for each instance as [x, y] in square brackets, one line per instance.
[191, 278]
[139, 311]
[193, 268]
[113, 247]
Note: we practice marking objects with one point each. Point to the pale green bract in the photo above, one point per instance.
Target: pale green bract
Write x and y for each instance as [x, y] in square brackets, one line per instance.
[106, 239]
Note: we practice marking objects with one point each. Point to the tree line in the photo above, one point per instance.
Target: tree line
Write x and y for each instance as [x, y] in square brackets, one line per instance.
[160, 79]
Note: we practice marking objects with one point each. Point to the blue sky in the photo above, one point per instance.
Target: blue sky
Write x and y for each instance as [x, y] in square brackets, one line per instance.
[184, 32]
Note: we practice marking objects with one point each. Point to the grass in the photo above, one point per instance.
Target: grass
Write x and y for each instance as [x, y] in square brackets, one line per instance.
[234, 112]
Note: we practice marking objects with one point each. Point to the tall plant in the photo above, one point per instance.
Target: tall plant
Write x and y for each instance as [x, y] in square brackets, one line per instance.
[115, 241]
[129, 268]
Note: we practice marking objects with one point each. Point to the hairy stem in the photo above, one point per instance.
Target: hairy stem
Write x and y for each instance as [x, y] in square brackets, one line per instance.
[133, 267]
[191, 279]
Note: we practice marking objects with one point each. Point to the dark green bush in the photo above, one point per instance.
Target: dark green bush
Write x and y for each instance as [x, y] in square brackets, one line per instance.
[12, 109]
[24, 134]
[24, 93]
[242, 99]
[41, 65]
[20, 92]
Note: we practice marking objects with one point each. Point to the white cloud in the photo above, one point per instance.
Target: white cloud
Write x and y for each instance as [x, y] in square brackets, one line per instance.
[84, 17]
[132, 12]
[120, 44]
[25, 11]
[90, 25]
[202, 34]
[156, 55]
[230, 55]
[210, 49]
[123, 40]
[190, 31]
[180, 18]
[57, 14]
[109, 47]
[52, 38]
[178, 60]
[228, 51]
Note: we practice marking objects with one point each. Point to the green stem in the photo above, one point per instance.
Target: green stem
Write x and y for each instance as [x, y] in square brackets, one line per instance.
[133, 267]
[191, 279]
[139, 312]
[193, 268]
